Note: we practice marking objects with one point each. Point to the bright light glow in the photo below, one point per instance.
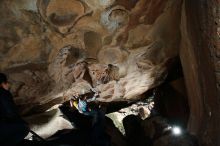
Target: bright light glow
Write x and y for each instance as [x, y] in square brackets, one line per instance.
[176, 130]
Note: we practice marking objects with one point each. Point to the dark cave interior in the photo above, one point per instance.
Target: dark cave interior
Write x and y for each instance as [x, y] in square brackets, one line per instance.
[155, 65]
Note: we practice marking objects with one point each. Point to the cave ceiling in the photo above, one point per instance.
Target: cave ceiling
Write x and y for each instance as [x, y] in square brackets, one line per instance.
[53, 49]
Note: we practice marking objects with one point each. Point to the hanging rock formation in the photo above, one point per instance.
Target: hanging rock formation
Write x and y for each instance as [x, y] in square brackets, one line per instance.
[54, 49]
[49, 48]
[121, 48]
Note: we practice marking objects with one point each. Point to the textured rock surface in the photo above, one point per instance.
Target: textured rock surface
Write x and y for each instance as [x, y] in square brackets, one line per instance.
[51, 49]
[141, 109]
[48, 123]
[199, 57]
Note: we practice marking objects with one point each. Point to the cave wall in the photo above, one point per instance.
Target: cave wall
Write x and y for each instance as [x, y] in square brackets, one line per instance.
[199, 56]
[54, 49]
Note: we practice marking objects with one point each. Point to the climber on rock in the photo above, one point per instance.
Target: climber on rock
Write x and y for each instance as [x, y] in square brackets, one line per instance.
[83, 101]
[83, 104]
[13, 128]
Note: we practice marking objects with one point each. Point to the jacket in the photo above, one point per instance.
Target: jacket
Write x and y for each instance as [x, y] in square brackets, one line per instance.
[8, 109]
